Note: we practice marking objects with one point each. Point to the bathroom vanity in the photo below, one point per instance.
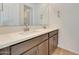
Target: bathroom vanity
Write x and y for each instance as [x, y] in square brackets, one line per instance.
[43, 42]
[33, 42]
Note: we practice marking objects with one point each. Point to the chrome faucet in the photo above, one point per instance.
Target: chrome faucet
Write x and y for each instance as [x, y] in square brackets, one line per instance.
[26, 28]
[26, 17]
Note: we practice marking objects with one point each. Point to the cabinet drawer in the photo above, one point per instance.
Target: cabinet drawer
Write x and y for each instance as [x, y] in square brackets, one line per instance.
[53, 33]
[24, 46]
[5, 51]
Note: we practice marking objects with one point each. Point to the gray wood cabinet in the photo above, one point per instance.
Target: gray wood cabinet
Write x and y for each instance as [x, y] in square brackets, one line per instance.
[41, 45]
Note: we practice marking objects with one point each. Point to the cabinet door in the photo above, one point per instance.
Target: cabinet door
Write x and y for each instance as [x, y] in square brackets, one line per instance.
[5, 51]
[43, 48]
[51, 48]
[33, 51]
[53, 42]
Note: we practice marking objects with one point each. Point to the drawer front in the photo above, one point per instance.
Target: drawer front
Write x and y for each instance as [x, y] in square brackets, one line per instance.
[5, 51]
[53, 33]
[24, 46]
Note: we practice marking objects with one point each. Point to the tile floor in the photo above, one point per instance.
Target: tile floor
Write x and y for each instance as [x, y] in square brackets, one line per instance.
[60, 51]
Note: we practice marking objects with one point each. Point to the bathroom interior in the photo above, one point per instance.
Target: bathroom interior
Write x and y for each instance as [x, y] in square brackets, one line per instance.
[39, 28]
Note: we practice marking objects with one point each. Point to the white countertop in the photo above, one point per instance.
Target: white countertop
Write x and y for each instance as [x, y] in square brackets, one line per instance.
[16, 37]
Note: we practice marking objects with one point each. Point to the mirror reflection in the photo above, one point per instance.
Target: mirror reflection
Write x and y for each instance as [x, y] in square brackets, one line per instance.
[27, 14]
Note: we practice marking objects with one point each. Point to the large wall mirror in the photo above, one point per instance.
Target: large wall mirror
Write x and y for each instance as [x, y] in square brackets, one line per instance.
[18, 14]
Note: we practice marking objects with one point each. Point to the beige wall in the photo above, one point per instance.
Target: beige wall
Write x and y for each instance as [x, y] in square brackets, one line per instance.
[68, 24]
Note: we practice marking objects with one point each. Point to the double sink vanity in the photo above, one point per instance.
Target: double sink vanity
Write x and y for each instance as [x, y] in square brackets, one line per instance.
[15, 40]
[34, 42]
